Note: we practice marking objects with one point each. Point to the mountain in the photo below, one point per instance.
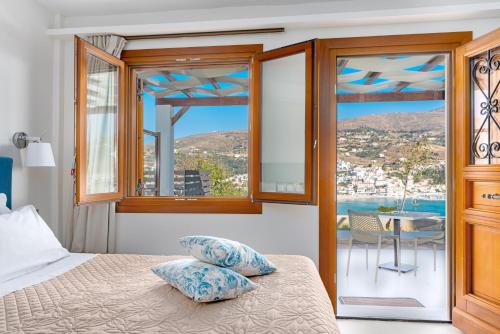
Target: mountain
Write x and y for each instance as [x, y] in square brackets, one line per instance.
[383, 139]
[234, 142]
[433, 120]
[380, 138]
[220, 142]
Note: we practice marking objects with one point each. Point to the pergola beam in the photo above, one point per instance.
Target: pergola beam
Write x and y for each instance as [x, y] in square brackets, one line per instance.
[401, 85]
[214, 83]
[433, 62]
[204, 101]
[391, 96]
[371, 77]
[179, 114]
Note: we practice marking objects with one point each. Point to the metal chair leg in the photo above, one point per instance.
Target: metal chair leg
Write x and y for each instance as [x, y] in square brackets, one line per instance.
[398, 251]
[415, 257]
[366, 252]
[379, 246]
[349, 256]
[435, 251]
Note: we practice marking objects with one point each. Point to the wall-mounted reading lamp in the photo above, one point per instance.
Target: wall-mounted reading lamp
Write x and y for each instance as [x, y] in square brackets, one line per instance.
[38, 154]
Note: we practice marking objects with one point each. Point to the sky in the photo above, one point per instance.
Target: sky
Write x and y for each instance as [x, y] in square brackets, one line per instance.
[223, 118]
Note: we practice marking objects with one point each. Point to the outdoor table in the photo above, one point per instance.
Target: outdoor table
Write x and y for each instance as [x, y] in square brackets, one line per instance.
[397, 217]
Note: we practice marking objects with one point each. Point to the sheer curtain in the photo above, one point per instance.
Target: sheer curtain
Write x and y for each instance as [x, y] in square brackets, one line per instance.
[93, 225]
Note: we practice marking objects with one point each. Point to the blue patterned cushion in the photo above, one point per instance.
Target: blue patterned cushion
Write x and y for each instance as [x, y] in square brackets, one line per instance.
[203, 282]
[228, 254]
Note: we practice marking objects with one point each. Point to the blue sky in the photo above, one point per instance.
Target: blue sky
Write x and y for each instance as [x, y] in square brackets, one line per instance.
[201, 119]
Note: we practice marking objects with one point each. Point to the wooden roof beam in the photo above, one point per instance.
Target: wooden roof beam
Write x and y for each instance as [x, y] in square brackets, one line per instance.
[392, 96]
[433, 62]
[371, 77]
[341, 64]
[401, 85]
[214, 83]
[203, 101]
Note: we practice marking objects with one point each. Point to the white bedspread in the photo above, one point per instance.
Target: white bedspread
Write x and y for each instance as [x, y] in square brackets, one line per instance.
[47, 272]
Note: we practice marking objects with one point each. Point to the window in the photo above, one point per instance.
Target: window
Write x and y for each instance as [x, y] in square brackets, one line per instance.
[99, 145]
[209, 129]
[284, 113]
[194, 131]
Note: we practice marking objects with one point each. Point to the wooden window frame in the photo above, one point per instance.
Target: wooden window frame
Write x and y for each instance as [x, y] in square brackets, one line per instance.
[82, 49]
[433, 42]
[179, 57]
[293, 198]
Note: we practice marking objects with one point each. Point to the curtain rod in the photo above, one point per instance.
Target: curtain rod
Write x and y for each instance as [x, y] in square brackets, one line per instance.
[206, 33]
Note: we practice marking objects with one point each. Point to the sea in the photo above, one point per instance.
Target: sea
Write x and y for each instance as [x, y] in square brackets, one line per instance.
[371, 204]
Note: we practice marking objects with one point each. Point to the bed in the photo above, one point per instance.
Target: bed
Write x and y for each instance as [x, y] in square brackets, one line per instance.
[116, 293]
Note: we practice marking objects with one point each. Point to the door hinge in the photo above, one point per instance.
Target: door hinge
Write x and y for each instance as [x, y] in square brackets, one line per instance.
[139, 89]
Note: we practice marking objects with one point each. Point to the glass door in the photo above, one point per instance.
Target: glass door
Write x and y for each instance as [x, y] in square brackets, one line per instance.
[392, 186]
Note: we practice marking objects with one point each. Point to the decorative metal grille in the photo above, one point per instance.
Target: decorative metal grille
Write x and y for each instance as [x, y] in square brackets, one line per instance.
[485, 118]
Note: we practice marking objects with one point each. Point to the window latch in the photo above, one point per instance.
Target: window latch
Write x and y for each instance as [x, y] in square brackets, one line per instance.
[139, 187]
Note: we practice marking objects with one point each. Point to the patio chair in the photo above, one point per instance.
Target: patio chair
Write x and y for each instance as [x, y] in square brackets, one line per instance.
[367, 228]
[436, 236]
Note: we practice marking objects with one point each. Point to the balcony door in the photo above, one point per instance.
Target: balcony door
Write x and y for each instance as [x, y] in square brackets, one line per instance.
[385, 174]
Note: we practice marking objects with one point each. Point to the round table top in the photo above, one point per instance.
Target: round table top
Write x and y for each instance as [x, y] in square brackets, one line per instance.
[409, 215]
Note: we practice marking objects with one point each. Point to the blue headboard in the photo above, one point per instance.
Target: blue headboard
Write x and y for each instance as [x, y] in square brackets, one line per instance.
[6, 179]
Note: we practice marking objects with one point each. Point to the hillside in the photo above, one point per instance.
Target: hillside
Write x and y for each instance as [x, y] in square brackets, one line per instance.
[222, 142]
[380, 139]
[384, 139]
[401, 121]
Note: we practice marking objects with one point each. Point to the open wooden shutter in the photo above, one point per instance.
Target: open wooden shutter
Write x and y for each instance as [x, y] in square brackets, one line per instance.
[477, 186]
[99, 124]
[283, 124]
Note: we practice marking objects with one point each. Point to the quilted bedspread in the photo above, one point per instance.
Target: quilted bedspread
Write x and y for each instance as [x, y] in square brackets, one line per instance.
[119, 294]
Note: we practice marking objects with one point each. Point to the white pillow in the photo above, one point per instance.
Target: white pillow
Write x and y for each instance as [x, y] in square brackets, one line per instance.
[26, 243]
[3, 204]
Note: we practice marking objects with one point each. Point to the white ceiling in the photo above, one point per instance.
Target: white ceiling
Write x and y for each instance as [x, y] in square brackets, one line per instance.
[106, 7]
[142, 17]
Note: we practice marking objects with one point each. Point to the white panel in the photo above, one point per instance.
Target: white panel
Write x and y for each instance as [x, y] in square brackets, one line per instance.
[283, 124]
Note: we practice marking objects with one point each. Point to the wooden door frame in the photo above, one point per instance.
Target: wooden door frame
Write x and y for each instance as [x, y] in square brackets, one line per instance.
[437, 42]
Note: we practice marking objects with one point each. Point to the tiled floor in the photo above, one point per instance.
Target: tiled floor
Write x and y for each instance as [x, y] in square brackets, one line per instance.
[348, 326]
[429, 287]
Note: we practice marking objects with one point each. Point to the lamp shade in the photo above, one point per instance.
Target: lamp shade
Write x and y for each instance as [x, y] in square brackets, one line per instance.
[39, 155]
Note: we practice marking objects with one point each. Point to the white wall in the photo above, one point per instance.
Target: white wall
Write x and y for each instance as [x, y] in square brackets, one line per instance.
[281, 228]
[26, 99]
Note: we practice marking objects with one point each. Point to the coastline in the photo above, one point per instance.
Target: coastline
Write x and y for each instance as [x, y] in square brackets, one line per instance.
[343, 197]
